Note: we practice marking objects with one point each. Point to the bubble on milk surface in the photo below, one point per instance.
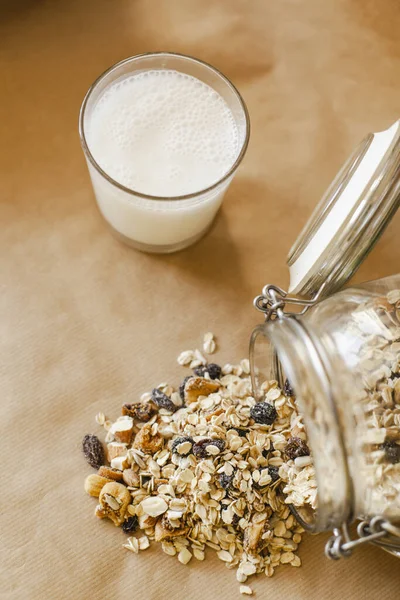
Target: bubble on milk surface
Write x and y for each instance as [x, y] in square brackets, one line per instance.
[163, 132]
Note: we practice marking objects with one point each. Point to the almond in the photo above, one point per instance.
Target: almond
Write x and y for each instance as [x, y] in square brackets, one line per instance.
[120, 463]
[252, 536]
[115, 449]
[131, 478]
[123, 429]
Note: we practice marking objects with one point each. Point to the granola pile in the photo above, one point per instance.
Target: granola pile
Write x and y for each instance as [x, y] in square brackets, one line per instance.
[206, 466]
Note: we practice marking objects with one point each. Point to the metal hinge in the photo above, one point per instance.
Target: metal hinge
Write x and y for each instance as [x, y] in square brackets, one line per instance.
[273, 302]
[375, 530]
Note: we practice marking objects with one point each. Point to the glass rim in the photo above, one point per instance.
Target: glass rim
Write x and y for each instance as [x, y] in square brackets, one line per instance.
[130, 191]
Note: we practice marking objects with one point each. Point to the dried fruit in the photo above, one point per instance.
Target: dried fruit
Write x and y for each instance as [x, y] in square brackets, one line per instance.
[200, 449]
[114, 499]
[288, 390]
[130, 524]
[274, 473]
[110, 473]
[162, 400]
[94, 484]
[226, 480]
[147, 442]
[182, 445]
[93, 450]
[182, 387]
[140, 411]
[392, 452]
[214, 371]
[199, 386]
[263, 412]
[296, 447]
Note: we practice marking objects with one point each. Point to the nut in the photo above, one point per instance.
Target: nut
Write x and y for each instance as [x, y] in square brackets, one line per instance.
[122, 429]
[252, 535]
[114, 499]
[199, 386]
[131, 478]
[120, 463]
[94, 484]
[146, 442]
[110, 473]
[115, 449]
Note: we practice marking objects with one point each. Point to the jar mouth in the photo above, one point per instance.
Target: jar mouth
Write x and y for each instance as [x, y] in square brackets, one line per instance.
[293, 353]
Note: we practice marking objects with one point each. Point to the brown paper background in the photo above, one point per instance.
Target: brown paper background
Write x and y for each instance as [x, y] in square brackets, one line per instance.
[87, 323]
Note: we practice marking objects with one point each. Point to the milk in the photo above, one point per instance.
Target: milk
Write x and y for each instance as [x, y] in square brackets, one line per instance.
[165, 134]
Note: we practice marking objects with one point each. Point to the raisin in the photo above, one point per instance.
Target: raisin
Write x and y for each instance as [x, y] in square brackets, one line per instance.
[213, 370]
[182, 440]
[130, 525]
[93, 450]
[274, 473]
[296, 447]
[182, 387]
[287, 389]
[264, 413]
[199, 449]
[226, 480]
[162, 400]
[141, 411]
[392, 451]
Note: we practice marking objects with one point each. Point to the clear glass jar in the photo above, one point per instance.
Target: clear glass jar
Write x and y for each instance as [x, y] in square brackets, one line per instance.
[342, 359]
[341, 355]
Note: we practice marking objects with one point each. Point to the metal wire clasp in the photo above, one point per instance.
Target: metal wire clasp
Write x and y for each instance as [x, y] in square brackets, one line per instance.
[373, 531]
[273, 300]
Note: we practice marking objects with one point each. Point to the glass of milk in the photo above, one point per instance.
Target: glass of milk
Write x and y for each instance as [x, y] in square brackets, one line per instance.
[163, 135]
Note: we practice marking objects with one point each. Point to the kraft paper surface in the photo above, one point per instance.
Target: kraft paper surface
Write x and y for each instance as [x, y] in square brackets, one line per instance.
[87, 323]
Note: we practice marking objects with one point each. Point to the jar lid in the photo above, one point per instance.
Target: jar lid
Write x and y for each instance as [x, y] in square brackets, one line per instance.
[350, 217]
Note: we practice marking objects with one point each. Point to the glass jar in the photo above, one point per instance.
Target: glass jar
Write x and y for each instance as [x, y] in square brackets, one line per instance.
[340, 351]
